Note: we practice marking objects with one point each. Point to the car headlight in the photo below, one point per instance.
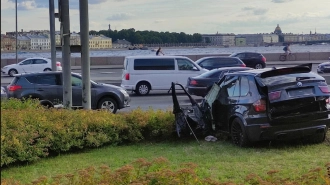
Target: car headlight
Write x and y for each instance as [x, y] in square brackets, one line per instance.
[124, 92]
[5, 67]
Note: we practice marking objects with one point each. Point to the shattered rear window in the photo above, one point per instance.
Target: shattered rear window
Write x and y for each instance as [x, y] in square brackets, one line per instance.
[288, 78]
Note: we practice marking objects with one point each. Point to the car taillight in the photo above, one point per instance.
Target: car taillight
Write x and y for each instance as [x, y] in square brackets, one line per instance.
[127, 76]
[58, 63]
[274, 95]
[193, 82]
[260, 105]
[324, 89]
[263, 59]
[14, 87]
[243, 65]
[327, 101]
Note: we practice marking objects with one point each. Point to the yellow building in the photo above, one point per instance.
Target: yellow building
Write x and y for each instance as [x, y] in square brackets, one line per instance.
[100, 42]
[8, 43]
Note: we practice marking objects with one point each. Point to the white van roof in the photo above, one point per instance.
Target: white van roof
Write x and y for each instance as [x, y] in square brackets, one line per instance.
[152, 56]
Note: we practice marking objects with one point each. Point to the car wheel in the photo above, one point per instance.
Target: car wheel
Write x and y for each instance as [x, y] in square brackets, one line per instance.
[258, 66]
[47, 69]
[12, 72]
[142, 88]
[318, 138]
[238, 134]
[108, 104]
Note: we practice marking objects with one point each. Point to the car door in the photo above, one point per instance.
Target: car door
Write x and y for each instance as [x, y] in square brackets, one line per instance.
[49, 86]
[243, 57]
[25, 66]
[225, 103]
[39, 65]
[327, 68]
[185, 69]
[208, 63]
[76, 82]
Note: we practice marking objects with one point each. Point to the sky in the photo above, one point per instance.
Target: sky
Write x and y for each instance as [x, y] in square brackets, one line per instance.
[188, 16]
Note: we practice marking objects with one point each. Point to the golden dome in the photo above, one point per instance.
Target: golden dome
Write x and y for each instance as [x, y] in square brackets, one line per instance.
[278, 29]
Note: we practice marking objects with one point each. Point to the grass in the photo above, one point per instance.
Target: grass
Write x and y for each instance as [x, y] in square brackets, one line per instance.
[219, 160]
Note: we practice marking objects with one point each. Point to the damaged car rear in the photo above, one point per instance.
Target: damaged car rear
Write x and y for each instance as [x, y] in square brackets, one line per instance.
[267, 104]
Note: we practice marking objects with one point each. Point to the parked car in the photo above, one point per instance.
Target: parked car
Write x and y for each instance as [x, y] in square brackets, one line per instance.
[29, 65]
[3, 93]
[251, 59]
[215, 62]
[48, 86]
[144, 73]
[324, 67]
[262, 104]
[201, 84]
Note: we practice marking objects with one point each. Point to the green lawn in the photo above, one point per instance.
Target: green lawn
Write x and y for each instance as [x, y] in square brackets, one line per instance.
[219, 160]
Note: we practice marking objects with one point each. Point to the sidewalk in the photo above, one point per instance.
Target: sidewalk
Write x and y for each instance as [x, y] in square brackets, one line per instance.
[269, 63]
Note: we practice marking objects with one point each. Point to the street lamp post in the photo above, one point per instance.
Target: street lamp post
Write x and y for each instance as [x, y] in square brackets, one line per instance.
[16, 30]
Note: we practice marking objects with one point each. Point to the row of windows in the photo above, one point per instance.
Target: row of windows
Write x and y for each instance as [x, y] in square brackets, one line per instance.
[162, 64]
[52, 79]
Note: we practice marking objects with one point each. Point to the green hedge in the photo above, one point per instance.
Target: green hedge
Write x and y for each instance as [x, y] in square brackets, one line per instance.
[30, 132]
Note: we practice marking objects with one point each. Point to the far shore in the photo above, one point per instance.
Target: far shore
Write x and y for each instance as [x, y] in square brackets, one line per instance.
[123, 49]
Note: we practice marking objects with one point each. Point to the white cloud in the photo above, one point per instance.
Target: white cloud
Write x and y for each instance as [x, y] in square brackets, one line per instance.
[189, 16]
[6, 4]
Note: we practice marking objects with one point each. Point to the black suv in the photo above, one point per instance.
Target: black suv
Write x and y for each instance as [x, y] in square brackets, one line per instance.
[215, 62]
[250, 59]
[48, 86]
[265, 104]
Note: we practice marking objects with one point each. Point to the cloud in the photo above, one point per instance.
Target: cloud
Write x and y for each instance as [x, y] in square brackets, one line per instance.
[281, 1]
[159, 21]
[120, 16]
[26, 5]
[31, 4]
[255, 10]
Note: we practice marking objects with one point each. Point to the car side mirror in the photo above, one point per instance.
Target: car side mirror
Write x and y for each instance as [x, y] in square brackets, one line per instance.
[194, 68]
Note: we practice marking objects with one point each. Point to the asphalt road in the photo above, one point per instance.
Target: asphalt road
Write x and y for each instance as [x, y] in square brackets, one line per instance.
[156, 99]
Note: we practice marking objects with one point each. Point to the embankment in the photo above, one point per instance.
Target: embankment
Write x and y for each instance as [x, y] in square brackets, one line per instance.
[118, 60]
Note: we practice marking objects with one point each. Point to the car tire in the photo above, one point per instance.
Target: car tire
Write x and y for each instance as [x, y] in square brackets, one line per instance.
[108, 104]
[142, 88]
[12, 72]
[46, 104]
[258, 66]
[47, 69]
[238, 134]
[318, 138]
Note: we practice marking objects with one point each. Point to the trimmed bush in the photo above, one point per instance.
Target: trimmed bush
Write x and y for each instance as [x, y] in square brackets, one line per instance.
[29, 131]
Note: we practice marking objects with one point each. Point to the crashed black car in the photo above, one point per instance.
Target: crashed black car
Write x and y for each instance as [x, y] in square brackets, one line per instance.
[260, 104]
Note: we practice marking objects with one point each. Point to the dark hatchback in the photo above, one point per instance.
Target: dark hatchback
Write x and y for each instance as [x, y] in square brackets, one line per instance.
[201, 84]
[251, 59]
[215, 62]
[324, 67]
[48, 86]
[265, 104]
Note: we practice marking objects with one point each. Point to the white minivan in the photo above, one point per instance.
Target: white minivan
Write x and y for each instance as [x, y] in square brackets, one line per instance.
[144, 73]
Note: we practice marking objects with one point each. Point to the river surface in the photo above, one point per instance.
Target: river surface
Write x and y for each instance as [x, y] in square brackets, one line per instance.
[174, 51]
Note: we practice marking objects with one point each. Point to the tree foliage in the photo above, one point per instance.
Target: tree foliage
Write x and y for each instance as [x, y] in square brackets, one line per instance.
[149, 37]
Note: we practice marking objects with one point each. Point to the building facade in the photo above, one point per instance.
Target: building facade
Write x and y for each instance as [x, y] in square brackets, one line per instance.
[100, 42]
[8, 43]
[219, 39]
[23, 42]
[39, 42]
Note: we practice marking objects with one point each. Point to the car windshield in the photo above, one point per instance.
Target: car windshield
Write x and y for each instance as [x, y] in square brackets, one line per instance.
[288, 78]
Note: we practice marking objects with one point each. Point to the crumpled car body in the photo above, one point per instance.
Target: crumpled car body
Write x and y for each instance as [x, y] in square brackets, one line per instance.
[261, 104]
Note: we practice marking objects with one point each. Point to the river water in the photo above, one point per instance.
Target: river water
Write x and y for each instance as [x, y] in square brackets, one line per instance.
[176, 51]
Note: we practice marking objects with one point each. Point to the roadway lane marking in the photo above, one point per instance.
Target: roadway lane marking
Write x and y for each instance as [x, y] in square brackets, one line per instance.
[107, 72]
